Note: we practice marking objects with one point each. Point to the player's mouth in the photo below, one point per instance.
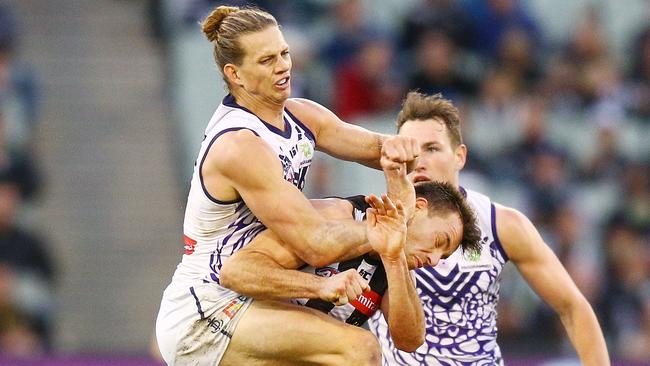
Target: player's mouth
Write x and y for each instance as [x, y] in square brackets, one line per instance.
[283, 83]
[421, 178]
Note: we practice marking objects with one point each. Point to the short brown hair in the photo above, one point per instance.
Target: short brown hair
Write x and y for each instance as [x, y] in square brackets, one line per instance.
[418, 106]
[442, 196]
[226, 24]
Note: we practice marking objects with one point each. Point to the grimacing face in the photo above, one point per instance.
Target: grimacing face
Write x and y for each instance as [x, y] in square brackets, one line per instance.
[265, 71]
[430, 238]
[438, 160]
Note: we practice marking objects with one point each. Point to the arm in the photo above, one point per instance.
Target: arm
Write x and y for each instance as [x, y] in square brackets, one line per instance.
[350, 142]
[546, 275]
[265, 268]
[243, 165]
[401, 304]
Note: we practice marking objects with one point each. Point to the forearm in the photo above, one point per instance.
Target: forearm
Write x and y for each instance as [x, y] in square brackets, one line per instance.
[586, 336]
[256, 275]
[336, 241]
[405, 316]
[399, 188]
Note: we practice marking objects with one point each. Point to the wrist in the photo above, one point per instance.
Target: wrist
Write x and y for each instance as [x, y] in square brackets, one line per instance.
[395, 259]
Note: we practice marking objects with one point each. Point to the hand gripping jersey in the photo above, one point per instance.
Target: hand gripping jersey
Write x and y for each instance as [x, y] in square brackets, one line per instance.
[357, 311]
[459, 298]
[213, 229]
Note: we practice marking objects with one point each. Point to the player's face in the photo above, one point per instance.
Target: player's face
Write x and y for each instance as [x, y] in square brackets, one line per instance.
[430, 238]
[438, 160]
[265, 71]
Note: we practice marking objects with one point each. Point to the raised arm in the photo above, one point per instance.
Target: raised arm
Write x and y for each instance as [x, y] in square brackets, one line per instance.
[241, 165]
[546, 275]
[401, 304]
[350, 142]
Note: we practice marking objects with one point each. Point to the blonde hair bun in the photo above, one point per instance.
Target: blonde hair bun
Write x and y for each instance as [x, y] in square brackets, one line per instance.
[210, 25]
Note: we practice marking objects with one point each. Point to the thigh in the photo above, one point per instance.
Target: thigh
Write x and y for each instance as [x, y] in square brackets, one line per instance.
[275, 333]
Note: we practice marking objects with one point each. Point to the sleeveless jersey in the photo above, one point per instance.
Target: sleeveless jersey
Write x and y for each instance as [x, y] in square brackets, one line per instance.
[355, 312]
[213, 229]
[459, 298]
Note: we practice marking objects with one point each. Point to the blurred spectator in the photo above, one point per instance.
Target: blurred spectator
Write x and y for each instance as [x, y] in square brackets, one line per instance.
[26, 257]
[435, 68]
[431, 16]
[639, 78]
[635, 206]
[516, 55]
[625, 299]
[17, 335]
[18, 90]
[350, 31]
[606, 162]
[365, 85]
[548, 184]
[492, 19]
[493, 123]
[18, 109]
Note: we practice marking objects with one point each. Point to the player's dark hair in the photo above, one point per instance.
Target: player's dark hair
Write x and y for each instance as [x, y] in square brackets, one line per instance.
[422, 107]
[442, 196]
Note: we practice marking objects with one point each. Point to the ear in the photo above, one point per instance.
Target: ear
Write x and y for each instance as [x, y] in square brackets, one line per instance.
[461, 156]
[232, 74]
[421, 203]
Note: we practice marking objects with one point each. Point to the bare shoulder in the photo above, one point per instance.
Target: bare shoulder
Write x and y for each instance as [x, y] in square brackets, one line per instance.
[333, 208]
[309, 112]
[517, 234]
[236, 147]
[509, 220]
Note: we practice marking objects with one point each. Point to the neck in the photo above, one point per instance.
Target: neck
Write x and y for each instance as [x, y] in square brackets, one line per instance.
[266, 109]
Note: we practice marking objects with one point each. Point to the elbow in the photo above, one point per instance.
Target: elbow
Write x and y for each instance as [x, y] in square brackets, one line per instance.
[226, 277]
[317, 260]
[410, 344]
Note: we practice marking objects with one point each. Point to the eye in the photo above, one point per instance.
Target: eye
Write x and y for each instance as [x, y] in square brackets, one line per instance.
[266, 60]
[284, 53]
[432, 148]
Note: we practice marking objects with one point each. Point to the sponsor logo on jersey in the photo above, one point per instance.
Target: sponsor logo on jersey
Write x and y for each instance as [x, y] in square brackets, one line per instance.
[367, 303]
[190, 244]
[325, 271]
[233, 307]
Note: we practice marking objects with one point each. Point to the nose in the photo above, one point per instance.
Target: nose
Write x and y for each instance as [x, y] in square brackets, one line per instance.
[433, 259]
[283, 64]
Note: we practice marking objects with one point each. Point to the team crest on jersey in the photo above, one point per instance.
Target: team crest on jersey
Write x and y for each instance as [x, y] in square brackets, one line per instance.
[306, 149]
[325, 271]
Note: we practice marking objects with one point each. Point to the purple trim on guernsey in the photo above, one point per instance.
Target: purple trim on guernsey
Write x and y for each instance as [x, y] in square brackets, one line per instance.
[205, 154]
[497, 242]
[198, 304]
[462, 191]
[304, 127]
[229, 100]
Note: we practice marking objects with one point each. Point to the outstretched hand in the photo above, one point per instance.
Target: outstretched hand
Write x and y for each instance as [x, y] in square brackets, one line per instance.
[386, 226]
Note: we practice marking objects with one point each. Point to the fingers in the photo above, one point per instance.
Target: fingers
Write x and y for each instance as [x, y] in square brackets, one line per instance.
[400, 149]
[341, 300]
[348, 286]
[400, 208]
[383, 207]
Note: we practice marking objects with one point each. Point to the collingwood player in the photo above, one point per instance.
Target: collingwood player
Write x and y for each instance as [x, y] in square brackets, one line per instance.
[460, 294]
[441, 225]
[248, 175]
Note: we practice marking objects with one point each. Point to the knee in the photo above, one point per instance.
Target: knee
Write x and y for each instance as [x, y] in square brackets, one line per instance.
[363, 350]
